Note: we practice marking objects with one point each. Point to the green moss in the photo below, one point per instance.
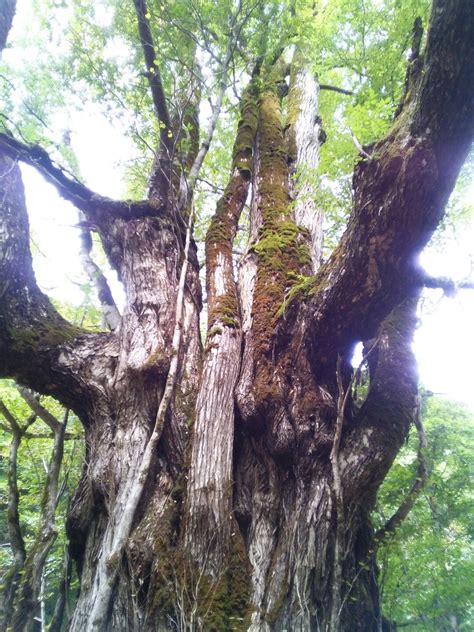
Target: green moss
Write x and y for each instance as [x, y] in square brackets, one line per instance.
[157, 360]
[221, 605]
[225, 312]
[214, 331]
[45, 334]
[272, 616]
[302, 288]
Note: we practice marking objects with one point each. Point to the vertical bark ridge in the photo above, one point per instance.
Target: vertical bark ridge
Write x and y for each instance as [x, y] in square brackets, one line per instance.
[305, 135]
[210, 477]
[135, 473]
[282, 490]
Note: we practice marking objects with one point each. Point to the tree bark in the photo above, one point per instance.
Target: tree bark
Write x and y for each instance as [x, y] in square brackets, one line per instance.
[229, 488]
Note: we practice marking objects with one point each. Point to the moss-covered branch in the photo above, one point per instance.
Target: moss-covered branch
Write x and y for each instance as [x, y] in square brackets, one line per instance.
[281, 246]
[222, 301]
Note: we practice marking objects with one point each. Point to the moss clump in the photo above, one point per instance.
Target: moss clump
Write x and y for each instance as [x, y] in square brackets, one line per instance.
[221, 605]
[225, 312]
[302, 287]
[214, 331]
[45, 334]
[282, 247]
[158, 361]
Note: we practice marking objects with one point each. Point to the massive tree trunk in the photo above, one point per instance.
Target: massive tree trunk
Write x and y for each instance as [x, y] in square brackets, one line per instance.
[229, 487]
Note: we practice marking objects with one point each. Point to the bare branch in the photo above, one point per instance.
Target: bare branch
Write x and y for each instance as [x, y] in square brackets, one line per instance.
[92, 204]
[325, 86]
[358, 145]
[153, 72]
[44, 414]
[421, 477]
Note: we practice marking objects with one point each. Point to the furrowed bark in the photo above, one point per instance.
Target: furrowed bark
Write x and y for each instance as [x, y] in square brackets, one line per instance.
[338, 495]
[283, 500]
[261, 480]
[305, 135]
[120, 522]
[210, 477]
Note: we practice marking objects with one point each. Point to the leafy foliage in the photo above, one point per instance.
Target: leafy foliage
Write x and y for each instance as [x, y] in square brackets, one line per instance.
[33, 458]
[427, 568]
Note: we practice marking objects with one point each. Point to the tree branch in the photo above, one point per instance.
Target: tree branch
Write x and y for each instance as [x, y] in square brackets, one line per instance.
[153, 73]
[13, 515]
[380, 426]
[14, 425]
[420, 481]
[39, 410]
[109, 308]
[401, 193]
[33, 335]
[92, 204]
[448, 286]
[28, 590]
[223, 71]
[325, 86]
